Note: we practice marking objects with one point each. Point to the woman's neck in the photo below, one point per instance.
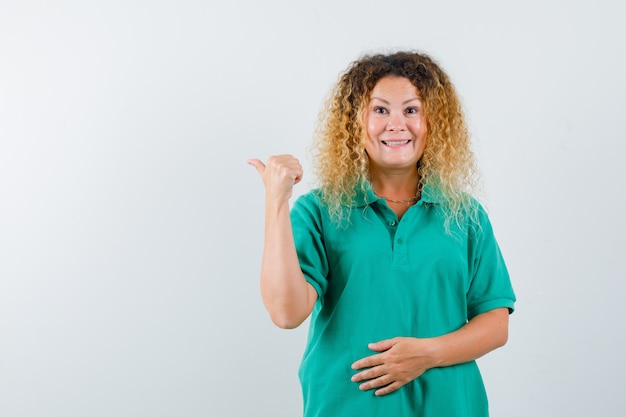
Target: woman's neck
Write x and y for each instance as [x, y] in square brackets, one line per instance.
[399, 191]
[396, 186]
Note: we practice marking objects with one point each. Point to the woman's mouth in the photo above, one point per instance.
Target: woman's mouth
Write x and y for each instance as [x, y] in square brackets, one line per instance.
[393, 143]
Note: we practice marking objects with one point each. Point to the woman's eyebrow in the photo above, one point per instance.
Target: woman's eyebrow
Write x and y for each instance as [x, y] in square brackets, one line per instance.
[387, 102]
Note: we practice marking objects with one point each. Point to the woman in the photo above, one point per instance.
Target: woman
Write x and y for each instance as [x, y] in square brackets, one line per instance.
[391, 255]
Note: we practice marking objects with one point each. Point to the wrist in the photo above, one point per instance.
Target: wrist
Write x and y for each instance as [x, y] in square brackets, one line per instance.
[275, 204]
[436, 352]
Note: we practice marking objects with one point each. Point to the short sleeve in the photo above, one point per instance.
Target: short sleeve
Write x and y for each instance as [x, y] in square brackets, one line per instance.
[490, 284]
[306, 221]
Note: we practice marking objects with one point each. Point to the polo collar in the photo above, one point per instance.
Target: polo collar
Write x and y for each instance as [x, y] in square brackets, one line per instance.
[430, 195]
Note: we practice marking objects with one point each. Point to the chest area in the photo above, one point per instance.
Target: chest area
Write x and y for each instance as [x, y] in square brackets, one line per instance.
[379, 239]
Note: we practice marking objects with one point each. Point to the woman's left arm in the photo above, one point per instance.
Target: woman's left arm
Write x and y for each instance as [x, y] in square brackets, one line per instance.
[402, 359]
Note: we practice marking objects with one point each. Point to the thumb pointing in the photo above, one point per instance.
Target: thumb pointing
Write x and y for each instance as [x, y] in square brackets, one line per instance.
[260, 166]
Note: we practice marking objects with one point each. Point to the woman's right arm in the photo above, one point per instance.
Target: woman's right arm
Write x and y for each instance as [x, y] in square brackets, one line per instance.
[287, 296]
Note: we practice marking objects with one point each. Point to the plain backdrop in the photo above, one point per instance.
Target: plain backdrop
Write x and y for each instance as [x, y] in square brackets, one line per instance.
[131, 227]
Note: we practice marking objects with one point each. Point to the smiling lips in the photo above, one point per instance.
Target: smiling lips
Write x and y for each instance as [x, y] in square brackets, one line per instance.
[396, 142]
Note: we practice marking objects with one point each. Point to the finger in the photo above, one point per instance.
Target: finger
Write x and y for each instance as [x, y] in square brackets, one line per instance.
[388, 389]
[379, 382]
[368, 362]
[288, 165]
[383, 345]
[369, 374]
[260, 166]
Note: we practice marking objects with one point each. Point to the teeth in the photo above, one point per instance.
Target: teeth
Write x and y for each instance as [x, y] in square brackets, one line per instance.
[395, 142]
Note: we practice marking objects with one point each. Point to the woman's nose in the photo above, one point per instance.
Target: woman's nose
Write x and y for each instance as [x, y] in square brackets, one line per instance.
[396, 122]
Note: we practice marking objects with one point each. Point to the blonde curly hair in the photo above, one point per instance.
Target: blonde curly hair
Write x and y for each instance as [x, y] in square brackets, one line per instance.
[341, 161]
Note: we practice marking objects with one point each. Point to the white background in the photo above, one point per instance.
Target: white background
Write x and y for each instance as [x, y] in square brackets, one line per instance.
[131, 227]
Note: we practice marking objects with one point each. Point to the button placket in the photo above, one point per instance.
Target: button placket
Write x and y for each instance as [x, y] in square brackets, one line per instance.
[400, 248]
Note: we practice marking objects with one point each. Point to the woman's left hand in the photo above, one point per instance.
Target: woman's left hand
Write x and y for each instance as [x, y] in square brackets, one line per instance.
[401, 360]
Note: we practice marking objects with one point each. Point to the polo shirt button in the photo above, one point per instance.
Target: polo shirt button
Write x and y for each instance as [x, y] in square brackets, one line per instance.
[392, 223]
[400, 241]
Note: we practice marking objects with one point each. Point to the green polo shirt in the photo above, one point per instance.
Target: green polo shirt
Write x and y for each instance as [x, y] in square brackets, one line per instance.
[378, 277]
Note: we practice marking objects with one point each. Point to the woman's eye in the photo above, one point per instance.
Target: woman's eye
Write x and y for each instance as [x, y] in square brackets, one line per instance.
[411, 110]
[380, 110]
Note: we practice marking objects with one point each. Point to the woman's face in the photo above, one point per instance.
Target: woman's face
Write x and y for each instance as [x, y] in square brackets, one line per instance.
[395, 125]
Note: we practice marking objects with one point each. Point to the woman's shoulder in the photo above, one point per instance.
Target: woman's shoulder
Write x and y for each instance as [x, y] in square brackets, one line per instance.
[313, 196]
[311, 202]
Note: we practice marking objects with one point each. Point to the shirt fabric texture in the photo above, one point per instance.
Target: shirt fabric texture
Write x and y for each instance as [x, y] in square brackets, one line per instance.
[378, 277]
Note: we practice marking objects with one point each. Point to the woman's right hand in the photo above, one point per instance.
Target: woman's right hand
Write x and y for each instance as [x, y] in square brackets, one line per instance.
[279, 175]
[288, 297]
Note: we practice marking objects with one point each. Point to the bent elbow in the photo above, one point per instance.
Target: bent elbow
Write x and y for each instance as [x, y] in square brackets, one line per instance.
[504, 337]
[285, 321]
[290, 312]
[501, 335]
